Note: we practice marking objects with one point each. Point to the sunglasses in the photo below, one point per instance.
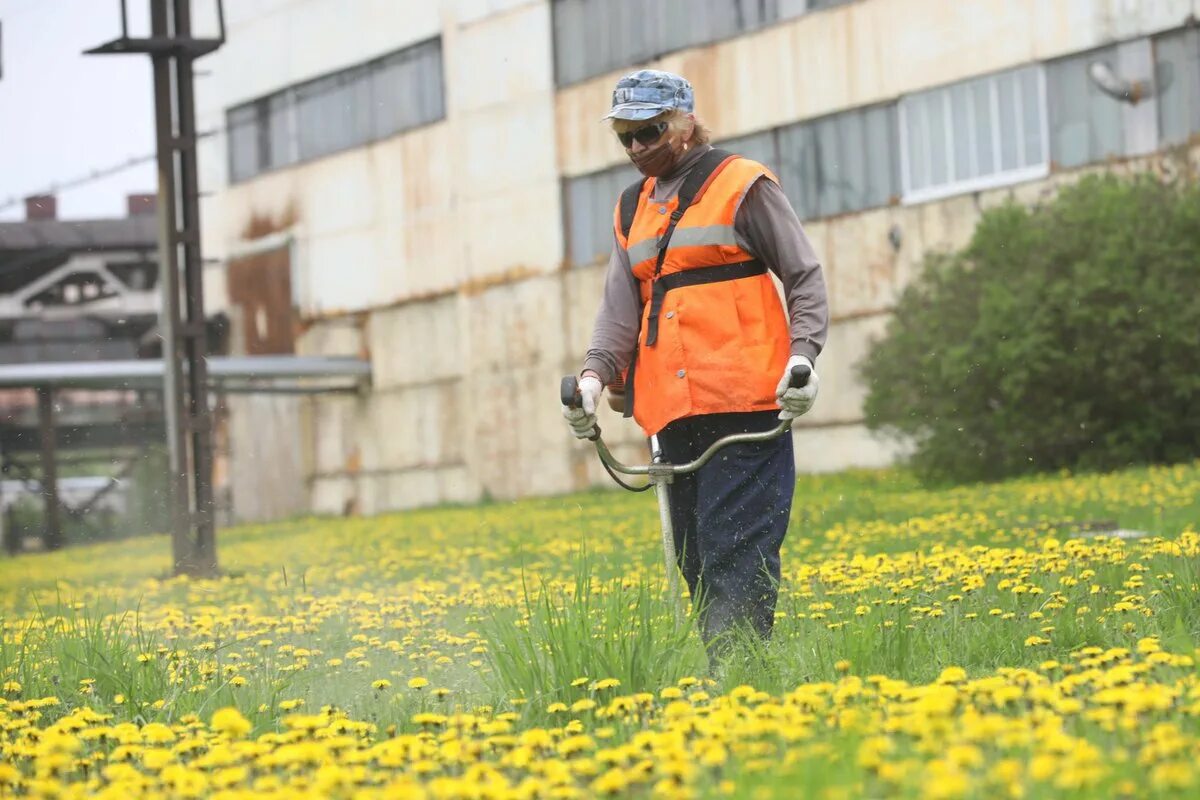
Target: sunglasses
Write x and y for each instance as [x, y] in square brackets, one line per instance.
[646, 135]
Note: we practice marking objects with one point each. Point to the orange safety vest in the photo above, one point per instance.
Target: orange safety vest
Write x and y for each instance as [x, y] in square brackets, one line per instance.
[714, 337]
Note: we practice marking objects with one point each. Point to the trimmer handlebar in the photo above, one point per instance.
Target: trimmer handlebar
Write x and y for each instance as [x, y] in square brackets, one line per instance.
[800, 376]
[568, 392]
[569, 395]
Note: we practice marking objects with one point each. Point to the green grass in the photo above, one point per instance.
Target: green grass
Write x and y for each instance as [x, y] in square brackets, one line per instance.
[506, 606]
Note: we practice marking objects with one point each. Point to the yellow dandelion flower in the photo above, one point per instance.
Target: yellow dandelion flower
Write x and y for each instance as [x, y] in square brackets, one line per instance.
[230, 722]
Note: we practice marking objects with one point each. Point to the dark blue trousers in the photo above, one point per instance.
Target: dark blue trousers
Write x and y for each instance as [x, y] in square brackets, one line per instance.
[730, 519]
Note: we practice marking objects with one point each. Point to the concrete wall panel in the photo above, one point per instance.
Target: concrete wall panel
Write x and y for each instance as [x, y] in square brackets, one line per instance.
[335, 421]
[422, 259]
[336, 194]
[516, 325]
[459, 485]
[343, 271]
[339, 337]
[505, 148]
[519, 447]
[383, 492]
[841, 394]
[273, 195]
[1069, 25]
[470, 12]
[492, 66]
[334, 494]
[419, 427]
[836, 448]
[943, 226]
[415, 183]
[347, 33]
[583, 289]
[416, 343]
[266, 463]
[858, 260]
[515, 232]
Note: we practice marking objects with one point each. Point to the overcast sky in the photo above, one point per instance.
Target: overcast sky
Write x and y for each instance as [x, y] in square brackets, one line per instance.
[64, 114]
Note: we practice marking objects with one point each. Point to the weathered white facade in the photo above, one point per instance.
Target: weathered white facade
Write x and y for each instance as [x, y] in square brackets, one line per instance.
[442, 251]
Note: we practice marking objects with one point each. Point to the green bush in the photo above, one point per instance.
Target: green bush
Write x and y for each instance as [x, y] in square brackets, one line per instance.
[1063, 336]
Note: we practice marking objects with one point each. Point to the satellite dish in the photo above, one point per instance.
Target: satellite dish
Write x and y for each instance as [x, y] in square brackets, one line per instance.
[1113, 85]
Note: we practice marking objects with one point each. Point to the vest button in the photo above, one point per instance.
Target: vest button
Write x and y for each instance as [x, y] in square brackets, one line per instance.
[681, 373]
[662, 209]
[670, 315]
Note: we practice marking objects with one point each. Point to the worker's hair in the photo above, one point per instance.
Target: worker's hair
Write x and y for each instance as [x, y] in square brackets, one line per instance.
[675, 118]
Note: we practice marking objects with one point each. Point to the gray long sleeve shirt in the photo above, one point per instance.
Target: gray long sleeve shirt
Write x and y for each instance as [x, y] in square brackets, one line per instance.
[765, 226]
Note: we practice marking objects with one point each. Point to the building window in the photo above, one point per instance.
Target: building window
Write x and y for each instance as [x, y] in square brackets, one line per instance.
[592, 37]
[1177, 78]
[1086, 125]
[762, 147]
[841, 163]
[279, 137]
[407, 89]
[333, 113]
[836, 165]
[817, 5]
[347, 109]
[244, 149]
[829, 166]
[974, 135]
[589, 201]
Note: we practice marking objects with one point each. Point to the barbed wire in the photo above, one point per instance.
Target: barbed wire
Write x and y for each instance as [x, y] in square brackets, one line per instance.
[75, 183]
[93, 176]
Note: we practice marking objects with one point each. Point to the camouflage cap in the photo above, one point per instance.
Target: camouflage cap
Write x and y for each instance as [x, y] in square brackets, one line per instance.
[648, 93]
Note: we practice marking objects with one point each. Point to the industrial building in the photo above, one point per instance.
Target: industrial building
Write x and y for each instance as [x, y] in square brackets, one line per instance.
[428, 185]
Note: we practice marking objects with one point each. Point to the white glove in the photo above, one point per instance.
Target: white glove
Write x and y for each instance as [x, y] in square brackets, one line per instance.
[796, 402]
[583, 420]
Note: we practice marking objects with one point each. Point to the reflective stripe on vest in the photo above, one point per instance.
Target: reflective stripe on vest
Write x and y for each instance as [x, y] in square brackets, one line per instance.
[683, 237]
[722, 337]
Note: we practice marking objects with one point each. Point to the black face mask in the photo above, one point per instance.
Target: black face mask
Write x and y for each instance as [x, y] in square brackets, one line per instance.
[656, 161]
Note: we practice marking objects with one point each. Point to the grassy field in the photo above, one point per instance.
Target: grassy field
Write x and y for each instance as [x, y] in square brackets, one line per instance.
[967, 642]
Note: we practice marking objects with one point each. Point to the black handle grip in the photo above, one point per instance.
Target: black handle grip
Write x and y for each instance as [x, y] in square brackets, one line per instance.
[568, 392]
[800, 376]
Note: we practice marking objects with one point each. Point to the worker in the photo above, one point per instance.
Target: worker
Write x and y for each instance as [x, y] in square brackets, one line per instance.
[691, 324]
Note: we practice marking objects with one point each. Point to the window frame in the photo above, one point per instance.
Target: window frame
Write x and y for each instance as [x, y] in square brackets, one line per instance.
[995, 180]
[291, 96]
[656, 50]
[1189, 35]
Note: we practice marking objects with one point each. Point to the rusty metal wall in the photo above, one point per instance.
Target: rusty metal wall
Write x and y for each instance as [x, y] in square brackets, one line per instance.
[260, 287]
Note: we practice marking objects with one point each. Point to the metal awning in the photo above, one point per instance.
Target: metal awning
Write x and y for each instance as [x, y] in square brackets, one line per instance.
[233, 374]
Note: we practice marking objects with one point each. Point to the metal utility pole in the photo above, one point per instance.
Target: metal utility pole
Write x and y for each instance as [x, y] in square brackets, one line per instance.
[173, 50]
[52, 534]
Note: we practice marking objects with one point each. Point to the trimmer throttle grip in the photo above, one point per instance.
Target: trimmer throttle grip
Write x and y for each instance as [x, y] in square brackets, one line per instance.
[569, 392]
[799, 378]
